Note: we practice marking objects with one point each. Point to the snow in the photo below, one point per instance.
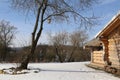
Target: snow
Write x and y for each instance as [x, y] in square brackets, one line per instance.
[58, 71]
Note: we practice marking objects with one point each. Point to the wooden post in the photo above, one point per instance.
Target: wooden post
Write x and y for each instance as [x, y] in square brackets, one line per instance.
[106, 49]
[91, 51]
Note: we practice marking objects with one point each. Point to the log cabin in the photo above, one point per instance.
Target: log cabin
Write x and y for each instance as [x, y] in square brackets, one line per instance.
[109, 38]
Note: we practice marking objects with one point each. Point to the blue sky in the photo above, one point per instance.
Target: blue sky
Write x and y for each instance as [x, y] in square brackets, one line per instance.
[105, 10]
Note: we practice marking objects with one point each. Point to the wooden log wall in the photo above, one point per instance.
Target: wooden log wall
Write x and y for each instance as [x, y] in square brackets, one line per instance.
[98, 57]
[114, 47]
[114, 52]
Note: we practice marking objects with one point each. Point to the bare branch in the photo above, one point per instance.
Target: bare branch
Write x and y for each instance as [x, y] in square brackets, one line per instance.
[55, 10]
[37, 20]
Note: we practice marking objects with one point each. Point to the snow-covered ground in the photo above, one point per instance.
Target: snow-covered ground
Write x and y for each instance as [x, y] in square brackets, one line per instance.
[58, 71]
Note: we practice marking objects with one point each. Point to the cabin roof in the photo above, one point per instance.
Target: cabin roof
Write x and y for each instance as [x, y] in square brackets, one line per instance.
[110, 26]
[93, 42]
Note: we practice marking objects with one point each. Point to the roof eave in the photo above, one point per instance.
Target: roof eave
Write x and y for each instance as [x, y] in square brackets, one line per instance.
[108, 25]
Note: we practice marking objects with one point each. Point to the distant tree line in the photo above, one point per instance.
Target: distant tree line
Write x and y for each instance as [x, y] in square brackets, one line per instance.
[47, 53]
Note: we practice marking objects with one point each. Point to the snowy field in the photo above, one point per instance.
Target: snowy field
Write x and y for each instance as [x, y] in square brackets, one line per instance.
[58, 71]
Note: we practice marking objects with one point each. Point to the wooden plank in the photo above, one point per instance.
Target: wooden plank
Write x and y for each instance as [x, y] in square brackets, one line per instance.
[113, 55]
[116, 66]
[113, 59]
[96, 64]
[114, 39]
[98, 55]
[100, 59]
[114, 45]
[114, 48]
[115, 62]
[101, 62]
[114, 51]
[98, 51]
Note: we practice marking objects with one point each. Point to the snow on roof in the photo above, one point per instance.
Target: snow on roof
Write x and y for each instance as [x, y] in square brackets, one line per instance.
[93, 42]
[106, 26]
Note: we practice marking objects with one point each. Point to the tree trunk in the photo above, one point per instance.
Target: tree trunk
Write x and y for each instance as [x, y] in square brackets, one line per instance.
[26, 60]
[59, 56]
[35, 35]
[5, 50]
[69, 60]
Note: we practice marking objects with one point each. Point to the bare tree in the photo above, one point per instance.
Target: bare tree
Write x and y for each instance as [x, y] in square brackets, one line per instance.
[77, 38]
[59, 40]
[6, 36]
[50, 10]
[62, 40]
